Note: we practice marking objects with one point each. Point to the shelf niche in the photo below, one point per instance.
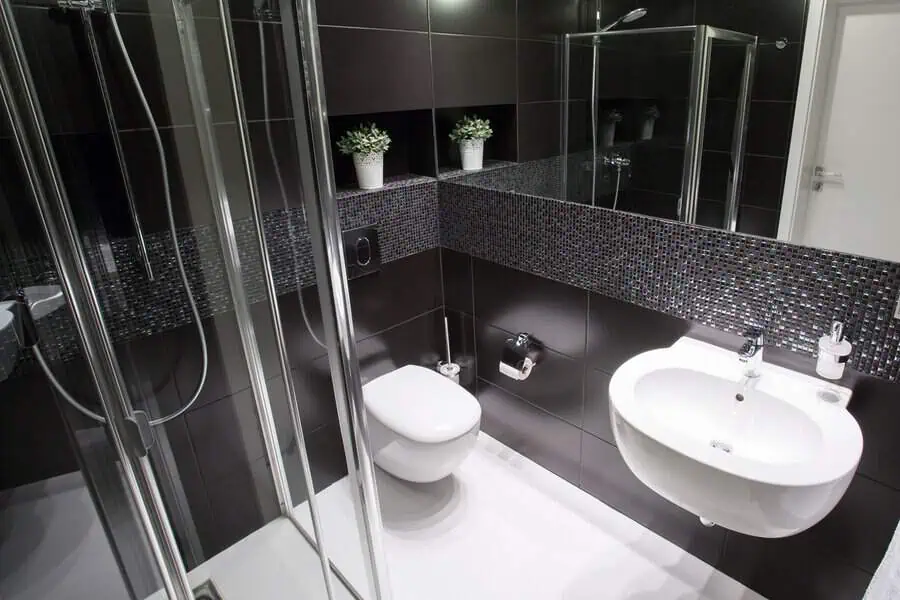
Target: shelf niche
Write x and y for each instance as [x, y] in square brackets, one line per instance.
[411, 153]
[499, 147]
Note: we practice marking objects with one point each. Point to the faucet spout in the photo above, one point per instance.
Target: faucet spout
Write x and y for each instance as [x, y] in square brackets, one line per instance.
[751, 353]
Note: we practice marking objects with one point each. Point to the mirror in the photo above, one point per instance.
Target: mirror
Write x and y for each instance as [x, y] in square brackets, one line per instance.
[757, 135]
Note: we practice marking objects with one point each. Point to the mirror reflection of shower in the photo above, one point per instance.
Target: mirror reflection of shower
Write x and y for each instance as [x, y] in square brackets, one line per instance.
[629, 17]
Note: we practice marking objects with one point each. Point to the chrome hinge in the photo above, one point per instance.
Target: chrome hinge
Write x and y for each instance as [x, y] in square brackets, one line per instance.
[821, 177]
[140, 432]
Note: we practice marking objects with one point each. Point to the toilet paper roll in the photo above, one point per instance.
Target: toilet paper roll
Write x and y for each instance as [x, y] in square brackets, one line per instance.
[514, 373]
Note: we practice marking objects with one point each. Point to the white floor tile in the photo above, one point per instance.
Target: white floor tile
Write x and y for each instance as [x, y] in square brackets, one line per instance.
[504, 528]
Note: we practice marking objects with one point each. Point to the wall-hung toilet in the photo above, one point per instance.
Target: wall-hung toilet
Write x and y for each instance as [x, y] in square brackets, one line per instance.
[421, 424]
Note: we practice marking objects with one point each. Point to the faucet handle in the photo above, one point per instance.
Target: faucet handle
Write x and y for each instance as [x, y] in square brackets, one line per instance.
[756, 334]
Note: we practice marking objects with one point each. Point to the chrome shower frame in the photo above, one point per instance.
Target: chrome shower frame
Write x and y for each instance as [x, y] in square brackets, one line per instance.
[704, 36]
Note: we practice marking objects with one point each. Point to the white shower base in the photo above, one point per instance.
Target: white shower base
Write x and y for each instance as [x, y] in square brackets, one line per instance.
[503, 527]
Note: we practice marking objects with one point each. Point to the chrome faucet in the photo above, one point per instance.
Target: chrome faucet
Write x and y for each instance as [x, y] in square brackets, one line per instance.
[751, 353]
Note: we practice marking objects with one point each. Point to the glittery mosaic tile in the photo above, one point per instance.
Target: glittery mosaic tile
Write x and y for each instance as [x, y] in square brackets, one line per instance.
[712, 277]
[133, 306]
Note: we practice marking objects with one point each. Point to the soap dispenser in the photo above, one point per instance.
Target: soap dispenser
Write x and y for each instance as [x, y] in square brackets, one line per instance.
[834, 352]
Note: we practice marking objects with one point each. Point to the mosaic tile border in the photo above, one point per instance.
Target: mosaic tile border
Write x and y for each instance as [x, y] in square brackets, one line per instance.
[723, 280]
[407, 218]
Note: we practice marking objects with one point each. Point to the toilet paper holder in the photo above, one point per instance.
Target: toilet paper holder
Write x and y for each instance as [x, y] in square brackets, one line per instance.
[520, 355]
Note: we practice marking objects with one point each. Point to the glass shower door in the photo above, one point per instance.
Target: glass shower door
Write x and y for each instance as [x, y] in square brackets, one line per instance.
[145, 153]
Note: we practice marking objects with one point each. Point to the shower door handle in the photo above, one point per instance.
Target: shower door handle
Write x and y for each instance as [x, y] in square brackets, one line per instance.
[821, 177]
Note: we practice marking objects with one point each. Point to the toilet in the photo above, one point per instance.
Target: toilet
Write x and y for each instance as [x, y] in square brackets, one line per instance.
[421, 424]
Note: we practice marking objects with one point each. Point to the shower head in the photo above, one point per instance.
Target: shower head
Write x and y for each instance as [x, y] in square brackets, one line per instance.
[631, 17]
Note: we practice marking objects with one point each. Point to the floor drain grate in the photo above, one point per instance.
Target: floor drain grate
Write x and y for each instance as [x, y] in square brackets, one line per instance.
[723, 446]
[206, 591]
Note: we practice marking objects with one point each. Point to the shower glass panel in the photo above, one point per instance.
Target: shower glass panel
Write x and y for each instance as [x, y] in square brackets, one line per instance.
[638, 146]
[159, 121]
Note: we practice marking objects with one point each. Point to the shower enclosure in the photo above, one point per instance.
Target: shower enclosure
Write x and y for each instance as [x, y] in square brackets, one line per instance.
[137, 246]
[664, 113]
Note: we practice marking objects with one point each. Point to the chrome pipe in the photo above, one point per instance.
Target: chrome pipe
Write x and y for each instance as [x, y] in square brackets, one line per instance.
[564, 131]
[117, 140]
[624, 32]
[215, 181]
[739, 139]
[693, 153]
[279, 473]
[328, 252]
[595, 108]
[45, 182]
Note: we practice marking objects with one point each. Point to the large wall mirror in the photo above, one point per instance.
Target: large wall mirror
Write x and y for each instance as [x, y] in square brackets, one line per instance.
[785, 129]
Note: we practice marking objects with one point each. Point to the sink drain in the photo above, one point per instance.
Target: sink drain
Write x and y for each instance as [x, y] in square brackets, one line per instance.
[720, 445]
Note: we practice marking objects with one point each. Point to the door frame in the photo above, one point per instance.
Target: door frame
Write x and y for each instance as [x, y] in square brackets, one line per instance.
[821, 29]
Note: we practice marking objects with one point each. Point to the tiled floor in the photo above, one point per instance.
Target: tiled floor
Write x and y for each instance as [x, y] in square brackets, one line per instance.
[52, 545]
[503, 527]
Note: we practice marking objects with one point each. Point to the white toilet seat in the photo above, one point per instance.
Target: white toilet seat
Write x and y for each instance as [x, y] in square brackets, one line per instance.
[421, 425]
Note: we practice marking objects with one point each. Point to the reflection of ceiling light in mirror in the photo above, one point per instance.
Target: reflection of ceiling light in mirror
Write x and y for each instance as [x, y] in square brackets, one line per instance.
[452, 3]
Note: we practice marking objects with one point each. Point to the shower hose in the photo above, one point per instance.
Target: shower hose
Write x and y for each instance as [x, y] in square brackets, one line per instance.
[179, 261]
[281, 188]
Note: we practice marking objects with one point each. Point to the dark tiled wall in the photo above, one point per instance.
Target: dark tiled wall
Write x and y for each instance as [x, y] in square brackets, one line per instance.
[712, 277]
[559, 418]
[499, 59]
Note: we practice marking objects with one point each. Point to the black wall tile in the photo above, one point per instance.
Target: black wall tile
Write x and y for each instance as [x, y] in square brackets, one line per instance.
[606, 476]
[548, 441]
[190, 198]
[539, 130]
[388, 14]
[518, 302]
[250, 69]
[769, 128]
[415, 342]
[492, 18]
[555, 385]
[618, 331]
[386, 298]
[769, 19]
[762, 181]
[472, 71]
[657, 169]
[875, 407]
[274, 145]
[540, 67]
[242, 502]
[225, 435]
[227, 373]
[661, 13]
[369, 71]
[790, 568]
[160, 70]
[456, 270]
[777, 72]
[539, 19]
[596, 405]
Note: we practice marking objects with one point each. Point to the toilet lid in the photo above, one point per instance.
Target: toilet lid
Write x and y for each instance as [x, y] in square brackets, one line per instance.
[422, 405]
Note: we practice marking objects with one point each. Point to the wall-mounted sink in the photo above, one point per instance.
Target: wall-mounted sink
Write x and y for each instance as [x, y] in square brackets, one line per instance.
[768, 456]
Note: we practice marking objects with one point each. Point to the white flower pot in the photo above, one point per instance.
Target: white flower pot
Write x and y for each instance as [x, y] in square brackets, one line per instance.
[472, 153]
[369, 170]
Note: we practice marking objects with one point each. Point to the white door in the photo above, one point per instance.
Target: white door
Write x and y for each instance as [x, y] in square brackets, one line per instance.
[854, 132]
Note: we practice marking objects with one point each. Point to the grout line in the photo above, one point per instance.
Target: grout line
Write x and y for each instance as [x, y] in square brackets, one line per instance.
[359, 28]
[535, 406]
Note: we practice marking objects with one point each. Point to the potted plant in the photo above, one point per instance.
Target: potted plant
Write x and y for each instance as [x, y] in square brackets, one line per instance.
[470, 133]
[367, 144]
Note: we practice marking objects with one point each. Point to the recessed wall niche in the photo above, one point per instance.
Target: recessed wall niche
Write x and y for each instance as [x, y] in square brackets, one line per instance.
[412, 145]
[501, 146]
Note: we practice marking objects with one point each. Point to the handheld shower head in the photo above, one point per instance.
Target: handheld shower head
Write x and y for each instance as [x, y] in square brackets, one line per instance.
[630, 17]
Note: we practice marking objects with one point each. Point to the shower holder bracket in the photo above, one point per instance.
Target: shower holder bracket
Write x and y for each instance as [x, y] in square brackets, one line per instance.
[86, 5]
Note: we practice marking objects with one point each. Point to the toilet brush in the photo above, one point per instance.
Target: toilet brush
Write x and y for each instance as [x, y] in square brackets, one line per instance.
[448, 368]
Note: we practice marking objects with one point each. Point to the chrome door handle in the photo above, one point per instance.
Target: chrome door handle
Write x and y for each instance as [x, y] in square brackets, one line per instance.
[821, 177]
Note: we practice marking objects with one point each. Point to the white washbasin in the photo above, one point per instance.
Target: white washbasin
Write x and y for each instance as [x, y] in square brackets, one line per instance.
[771, 465]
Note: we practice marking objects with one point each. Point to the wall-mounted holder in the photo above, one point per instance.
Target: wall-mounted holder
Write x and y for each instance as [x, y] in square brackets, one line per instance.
[520, 355]
[361, 251]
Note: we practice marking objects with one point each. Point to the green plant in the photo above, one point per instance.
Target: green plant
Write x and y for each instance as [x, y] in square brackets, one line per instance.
[365, 139]
[471, 128]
